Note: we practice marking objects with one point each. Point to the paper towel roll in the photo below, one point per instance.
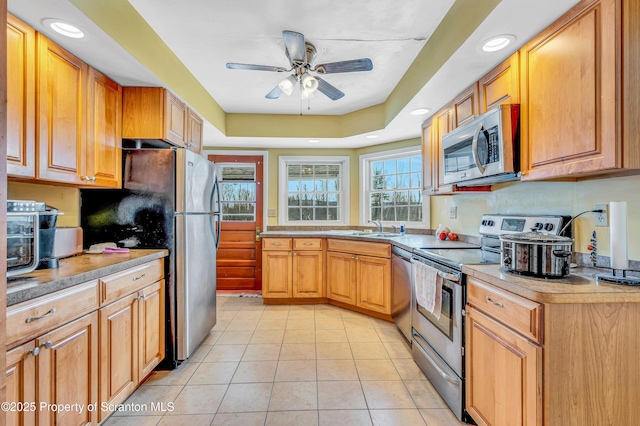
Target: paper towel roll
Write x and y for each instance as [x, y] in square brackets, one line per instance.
[618, 237]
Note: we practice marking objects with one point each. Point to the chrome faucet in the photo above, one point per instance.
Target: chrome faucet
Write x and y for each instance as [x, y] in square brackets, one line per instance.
[378, 223]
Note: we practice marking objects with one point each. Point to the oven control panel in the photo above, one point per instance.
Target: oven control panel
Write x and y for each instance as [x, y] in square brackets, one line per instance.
[25, 206]
[496, 225]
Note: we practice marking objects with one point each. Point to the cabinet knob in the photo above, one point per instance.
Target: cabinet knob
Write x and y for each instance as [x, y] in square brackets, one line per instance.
[93, 179]
[140, 298]
[294, 253]
[189, 144]
[47, 345]
[35, 351]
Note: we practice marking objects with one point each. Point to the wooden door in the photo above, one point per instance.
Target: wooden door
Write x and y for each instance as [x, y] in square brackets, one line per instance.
[118, 351]
[341, 277]
[466, 106]
[568, 110]
[60, 113]
[239, 261]
[443, 123]
[501, 85]
[307, 274]
[175, 119]
[194, 132]
[504, 374]
[428, 158]
[277, 274]
[68, 371]
[104, 153]
[374, 283]
[21, 98]
[21, 384]
[151, 326]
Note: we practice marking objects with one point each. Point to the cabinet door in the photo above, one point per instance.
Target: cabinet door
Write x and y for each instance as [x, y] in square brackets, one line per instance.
[276, 274]
[21, 98]
[374, 283]
[21, 384]
[175, 119]
[308, 274]
[501, 85]
[194, 135]
[60, 113]
[504, 374]
[118, 351]
[428, 150]
[568, 109]
[68, 371]
[443, 123]
[466, 106]
[151, 330]
[341, 277]
[104, 155]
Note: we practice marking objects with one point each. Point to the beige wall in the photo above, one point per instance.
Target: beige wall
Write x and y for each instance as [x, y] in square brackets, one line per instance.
[564, 198]
[65, 199]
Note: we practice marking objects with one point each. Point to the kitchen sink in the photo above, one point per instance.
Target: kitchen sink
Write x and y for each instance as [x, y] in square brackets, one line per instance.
[372, 234]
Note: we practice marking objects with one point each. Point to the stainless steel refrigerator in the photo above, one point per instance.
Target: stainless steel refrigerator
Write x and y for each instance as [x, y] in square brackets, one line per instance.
[169, 199]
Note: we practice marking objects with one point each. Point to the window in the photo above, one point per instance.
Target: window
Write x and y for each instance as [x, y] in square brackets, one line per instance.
[238, 192]
[391, 188]
[314, 191]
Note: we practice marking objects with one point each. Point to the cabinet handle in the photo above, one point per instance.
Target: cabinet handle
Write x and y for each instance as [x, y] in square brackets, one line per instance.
[139, 277]
[140, 298]
[357, 258]
[189, 144]
[276, 244]
[31, 319]
[307, 244]
[294, 253]
[353, 257]
[47, 345]
[35, 351]
[93, 179]
[498, 304]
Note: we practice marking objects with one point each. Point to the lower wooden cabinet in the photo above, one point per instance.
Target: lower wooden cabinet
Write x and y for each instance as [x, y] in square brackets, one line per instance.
[297, 273]
[374, 283]
[341, 277]
[504, 374]
[21, 384]
[131, 343]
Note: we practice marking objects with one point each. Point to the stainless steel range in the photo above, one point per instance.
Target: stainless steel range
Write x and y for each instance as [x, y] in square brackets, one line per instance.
[438, 343]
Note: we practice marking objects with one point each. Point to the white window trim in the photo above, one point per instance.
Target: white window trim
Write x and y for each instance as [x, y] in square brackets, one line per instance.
[365, 190]
[282, 190]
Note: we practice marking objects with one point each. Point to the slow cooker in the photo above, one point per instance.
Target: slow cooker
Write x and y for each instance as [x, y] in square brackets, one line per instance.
[537, 254]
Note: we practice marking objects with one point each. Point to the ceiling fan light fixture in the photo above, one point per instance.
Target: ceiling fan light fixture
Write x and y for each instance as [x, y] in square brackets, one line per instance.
[309, 83]
[287, 85]
[305, 94]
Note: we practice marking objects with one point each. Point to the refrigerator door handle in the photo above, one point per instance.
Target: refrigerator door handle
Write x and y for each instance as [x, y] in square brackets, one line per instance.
[215, 232]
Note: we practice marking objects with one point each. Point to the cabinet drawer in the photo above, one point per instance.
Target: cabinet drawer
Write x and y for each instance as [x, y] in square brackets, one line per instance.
[115, 286]
[276, 244]
[360, 247]
[307, 243]
[522, 315]
[34, 317]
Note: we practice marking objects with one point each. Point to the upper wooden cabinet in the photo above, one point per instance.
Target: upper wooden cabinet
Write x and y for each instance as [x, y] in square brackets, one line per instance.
[104, 115]
[156, 113]
[580, 93]
[441, 124]
[465, 106]
[21, 97]
[501, 85]
[61, 108]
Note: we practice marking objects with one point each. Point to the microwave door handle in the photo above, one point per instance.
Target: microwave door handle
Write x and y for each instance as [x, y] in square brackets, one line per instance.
[474, 148]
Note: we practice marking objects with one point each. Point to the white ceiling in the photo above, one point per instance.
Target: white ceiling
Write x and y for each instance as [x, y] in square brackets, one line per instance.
[206, 34]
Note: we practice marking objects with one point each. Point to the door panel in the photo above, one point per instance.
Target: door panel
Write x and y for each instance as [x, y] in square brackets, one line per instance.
[341, 277]
[200, 177]
[240, 181]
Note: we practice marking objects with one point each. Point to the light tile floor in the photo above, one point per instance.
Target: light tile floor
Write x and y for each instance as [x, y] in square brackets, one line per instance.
[292, 365]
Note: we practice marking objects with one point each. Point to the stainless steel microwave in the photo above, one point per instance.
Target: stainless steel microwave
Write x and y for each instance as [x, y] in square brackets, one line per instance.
[485, 150]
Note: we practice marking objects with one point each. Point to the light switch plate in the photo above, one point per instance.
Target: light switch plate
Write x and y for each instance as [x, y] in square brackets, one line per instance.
[271, 212]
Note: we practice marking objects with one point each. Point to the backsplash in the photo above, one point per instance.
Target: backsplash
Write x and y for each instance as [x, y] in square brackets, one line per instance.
[556, 198]
[65, 199]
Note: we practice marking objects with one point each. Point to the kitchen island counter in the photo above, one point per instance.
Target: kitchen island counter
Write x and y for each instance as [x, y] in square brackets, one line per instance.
[579, 286]
[75, 270]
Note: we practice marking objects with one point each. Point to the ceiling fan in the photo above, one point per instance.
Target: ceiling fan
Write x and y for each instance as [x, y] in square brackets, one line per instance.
[301, 55]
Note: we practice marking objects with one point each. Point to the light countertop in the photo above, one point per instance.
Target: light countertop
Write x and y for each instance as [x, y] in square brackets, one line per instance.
[75, 270]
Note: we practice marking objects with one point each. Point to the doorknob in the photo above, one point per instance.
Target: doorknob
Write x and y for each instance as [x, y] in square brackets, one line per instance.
[257, 233]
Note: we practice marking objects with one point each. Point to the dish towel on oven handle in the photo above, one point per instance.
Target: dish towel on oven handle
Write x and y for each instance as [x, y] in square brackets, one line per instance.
[428, 287]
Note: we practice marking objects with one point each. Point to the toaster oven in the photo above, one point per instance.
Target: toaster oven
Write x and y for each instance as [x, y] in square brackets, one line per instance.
[23, 222]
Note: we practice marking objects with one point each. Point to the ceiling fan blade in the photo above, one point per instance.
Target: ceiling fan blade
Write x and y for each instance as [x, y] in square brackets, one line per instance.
[274, 94]
[234, 66]
[330, 91]
[295, 46]
[353, 65]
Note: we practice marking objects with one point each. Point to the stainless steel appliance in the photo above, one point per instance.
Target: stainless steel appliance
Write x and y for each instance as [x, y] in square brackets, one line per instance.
[23, 239]
[538, 254]
[170, 199]
[438, 344]
[485, 150]
[47, 233]
[402, 285]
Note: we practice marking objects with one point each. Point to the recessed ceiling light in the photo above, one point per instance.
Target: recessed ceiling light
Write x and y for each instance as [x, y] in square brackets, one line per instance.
[64, 28]
[419, 111]
[313, 140]
[498, 43]
[372, 136]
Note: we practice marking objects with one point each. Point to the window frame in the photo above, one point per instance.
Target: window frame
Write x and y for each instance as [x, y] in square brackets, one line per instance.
[221, 182]
[283, 193]
[365, 161]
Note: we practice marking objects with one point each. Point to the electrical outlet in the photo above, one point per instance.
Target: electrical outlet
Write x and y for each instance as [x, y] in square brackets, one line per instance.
[453, 212]
[601, 219]
[271, 212]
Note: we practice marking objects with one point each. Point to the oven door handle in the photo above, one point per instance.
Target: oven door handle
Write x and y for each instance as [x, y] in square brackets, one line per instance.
[450, 277]
[448, 378]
